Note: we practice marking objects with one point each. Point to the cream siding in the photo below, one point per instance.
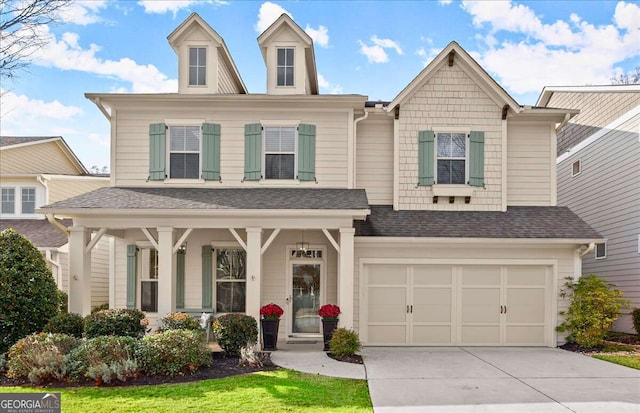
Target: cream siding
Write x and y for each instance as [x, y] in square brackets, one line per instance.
[597, 109]
[449, 99]
[100, 273]
[374, 158]
[39, 158]
[225, 78]
[529, 164]
[132, 148]
[606, 194]
[63, 258]
[60, 189]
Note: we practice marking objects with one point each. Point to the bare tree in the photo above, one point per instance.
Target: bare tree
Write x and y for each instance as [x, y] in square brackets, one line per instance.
[23, 31]
[631, 78]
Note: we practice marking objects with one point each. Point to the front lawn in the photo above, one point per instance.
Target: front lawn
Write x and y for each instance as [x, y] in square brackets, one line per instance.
[268, 391]
[624, 360]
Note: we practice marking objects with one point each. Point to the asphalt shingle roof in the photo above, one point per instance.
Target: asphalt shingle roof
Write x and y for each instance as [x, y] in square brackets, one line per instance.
[39, 231]
[516, 222]
[14, 140]
[216, 198]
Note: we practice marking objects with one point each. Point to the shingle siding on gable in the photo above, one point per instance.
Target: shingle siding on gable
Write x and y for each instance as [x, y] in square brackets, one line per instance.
[450, 98]
[597, 109]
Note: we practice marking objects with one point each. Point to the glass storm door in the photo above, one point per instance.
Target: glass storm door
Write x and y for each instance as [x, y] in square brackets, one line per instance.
[305, 296]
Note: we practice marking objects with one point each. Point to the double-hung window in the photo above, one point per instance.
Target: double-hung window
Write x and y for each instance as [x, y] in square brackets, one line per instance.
[231, 280]
[279, 152]
[8, 200]
[285, 67]
[451, 158]
[148, 271]
[184, 152]
[28, 200]
[197, 66]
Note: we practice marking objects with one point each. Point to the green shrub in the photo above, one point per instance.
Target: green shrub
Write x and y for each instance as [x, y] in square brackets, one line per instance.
[120, 322]
[63, 302]
[28, 293]
[3, 363]
[41, 357]
[593, 310]
[344, 342]
[234, 331]
[66, 323]
[174, 352]
[635, 316]
[105, 358]
[100, 307]
[179, 321]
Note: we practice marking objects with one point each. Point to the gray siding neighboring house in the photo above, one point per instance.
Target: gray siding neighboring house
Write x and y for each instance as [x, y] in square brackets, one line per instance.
[598, 171]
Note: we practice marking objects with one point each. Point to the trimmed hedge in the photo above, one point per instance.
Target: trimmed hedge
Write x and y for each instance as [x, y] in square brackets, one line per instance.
[174, 352]
[66, 323]
[114, 322]
[105, 358]
[344, 342]
[234, 331]
[179, 321]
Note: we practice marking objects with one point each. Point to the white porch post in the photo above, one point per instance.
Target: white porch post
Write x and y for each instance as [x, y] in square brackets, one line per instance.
[166, 277]
[254, 272]
[79, 271]
[345, 277]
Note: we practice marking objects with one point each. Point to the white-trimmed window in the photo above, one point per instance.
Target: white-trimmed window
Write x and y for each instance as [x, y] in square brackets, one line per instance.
[197, 66]
[28, 200]
[601, 251]
[279, 152]
[285, 66]
[230, 279]
[148, 270]
[451, 158]
[184, 152]
[576, 168]
[8, 200]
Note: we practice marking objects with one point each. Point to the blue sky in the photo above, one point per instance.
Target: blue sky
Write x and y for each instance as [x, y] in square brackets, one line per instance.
[374, 48]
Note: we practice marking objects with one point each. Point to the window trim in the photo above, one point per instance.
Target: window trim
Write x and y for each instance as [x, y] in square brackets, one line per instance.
[595, 251]
[579, 162]
[181, 123]
[293, 80]
[466, 154]
[142, 263]
[264, 151]
[214, 267]
[35, 196]
[11, 188]
[206, 57]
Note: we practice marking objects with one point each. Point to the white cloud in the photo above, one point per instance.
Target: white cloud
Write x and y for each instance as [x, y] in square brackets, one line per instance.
[386, 43]
[83, 12]
[327, 87]
[320, 35]
[427, 55]
[376, 53]
[269, 12]
[551, 53]
[20, 113]
[174, 6]
[99, 139]
[67, 54]
[445, 2]
[322, 82]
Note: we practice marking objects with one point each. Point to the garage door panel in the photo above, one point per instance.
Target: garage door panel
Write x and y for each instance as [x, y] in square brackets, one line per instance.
[525, 335]
[432, 275]
[387, 304]
[534, 276]
[387, 334]
[387, 274]
[480, 335]
[525, 305]
[432, 304]
[480, 305]
[479, 275]
[431, 335]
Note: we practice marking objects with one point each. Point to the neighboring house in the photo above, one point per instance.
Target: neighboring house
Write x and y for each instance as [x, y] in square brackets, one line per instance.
[35, 171]
[430, 220]
[599, 178]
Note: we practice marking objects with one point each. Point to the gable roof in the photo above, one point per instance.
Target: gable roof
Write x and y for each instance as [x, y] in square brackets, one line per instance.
[40, 232]
[548, 91]
[470, 66]
[516, 222]
[195, 19]
[13, 142]
[310, 57]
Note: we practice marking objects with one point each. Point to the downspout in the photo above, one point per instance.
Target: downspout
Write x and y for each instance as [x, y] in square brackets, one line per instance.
[44, 183]
[100, 106]
[582, 252]
[57, 224]
[355, 140]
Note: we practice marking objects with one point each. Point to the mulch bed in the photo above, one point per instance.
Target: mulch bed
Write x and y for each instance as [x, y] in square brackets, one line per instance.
[221, 366]
[355, 359]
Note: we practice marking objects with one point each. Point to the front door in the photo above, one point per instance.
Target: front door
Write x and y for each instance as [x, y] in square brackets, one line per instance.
[305, 297]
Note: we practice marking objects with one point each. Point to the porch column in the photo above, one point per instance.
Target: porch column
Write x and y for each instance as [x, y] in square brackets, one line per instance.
[79, 271]
[345, 275]
[254, 273]
[166, 278]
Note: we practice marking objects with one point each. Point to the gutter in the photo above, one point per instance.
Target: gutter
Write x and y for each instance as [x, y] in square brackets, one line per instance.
[98, 102]
[585, 249]
[52, 221]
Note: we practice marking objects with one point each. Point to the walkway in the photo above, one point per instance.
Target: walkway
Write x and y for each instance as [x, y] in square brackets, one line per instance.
[309, 358]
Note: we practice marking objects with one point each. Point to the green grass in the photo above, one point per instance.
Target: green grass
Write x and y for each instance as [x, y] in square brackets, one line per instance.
[274, 391]
[612, 348]
[628, 361]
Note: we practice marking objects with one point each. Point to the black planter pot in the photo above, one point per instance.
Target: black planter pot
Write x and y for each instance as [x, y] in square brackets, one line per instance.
[269, 334]
[327, 331]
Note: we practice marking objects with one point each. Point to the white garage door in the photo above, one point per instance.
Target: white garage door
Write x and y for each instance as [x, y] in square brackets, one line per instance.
[457, 305]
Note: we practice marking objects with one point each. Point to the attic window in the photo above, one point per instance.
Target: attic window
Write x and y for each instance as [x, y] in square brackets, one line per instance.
[576, 168]
[197, 66]
[285, 67]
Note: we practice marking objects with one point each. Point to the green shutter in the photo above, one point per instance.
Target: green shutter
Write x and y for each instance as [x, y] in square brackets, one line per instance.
[180, 279]
[307, 152]
[476, 158]
[211, 151]
[157, 147]
[253, 152]
[425, 158]
[131, 276]
[207, 277]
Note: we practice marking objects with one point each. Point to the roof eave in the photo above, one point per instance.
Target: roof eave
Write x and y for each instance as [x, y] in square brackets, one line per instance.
[462, 240]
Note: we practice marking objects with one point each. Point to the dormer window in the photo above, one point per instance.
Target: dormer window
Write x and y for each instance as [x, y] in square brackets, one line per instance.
[197, 66]
[285, 67]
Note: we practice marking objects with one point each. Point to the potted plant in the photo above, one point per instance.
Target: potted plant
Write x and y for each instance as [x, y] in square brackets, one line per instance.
[271, 314]
[329, 314]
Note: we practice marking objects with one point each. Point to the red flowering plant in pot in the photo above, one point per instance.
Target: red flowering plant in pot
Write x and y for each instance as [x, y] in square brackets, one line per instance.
[329, 314]
[271, 314]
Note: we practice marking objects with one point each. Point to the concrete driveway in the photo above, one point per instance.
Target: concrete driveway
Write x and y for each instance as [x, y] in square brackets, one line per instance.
[492, 379]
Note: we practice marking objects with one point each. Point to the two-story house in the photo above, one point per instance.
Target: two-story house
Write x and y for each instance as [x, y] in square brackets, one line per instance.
[430, 219]
[35, 171]
[599, 178]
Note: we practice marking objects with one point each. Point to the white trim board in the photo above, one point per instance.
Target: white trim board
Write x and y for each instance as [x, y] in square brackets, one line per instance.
[602, 132]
